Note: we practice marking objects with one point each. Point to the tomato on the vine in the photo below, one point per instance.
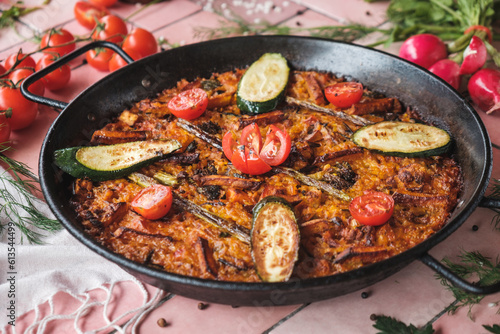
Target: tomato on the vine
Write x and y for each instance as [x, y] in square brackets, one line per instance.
[2, 69]
[103, 3]
[373, 208]
[58, 41]
[110, 28]
[18, 75]
[4, 129]
[24, 61]
[117, 61]
[99, 58]
[141, 41]
[189, 104]
[56, 79]
[344, 94]
[86, 13]
[277, 146]
[153, 202]
[23, 111]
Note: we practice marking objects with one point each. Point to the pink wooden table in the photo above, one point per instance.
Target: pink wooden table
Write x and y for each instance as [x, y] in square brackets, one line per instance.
[413, 295]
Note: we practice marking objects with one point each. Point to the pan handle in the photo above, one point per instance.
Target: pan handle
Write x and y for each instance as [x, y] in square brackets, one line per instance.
[490, 202]
[58, 63]
[456, 280]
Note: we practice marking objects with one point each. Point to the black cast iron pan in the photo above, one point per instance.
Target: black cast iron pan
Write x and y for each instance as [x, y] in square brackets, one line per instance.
[437, 102]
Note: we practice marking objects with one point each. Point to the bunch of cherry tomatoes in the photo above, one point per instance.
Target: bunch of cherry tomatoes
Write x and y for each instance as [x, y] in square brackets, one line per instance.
[16, 112]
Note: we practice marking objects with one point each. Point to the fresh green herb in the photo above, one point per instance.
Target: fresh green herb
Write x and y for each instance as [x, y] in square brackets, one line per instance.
[18, 195]
[473, 265]
[389, 325]
[11, 15]
[239, 26]
[492, 329]
[496, 194]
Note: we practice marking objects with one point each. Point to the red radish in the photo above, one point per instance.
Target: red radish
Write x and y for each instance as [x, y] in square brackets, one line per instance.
[484, 89]
[447, 70]
[474, 56]
[423, 50]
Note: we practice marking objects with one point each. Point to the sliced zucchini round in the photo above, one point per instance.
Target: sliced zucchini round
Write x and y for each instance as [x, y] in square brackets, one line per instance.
[100, 163]
[403, 139]
[275, 239]
[263, 85]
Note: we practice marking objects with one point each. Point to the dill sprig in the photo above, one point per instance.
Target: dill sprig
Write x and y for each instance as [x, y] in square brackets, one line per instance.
[389, 325]
[472, 265]
[495, 193]
[495, 329]
[239, 27]
[18, 195]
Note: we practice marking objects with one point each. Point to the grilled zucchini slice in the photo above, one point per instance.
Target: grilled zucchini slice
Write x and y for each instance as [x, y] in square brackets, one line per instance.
[100, 163]
[263, 85]
[403, 139]
[275, 239]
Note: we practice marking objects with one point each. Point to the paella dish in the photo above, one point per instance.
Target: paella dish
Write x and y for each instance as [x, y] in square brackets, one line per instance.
[264, 173]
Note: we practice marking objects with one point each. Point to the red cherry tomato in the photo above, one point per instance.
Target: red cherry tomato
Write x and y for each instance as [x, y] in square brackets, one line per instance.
[228, 144]
[255, 164]
[56, 79]
[110, 28]
[374, 208]
[2, 69]
[117, 61]
[153, 202]
[4, 130]
[189, 104]
[58, 41]
[141, 41]
[103, 3]
[23, 111]
[344, 94]
[17, 76]
[99, 58]
[239, 158]
[25, 61]
[251, 137]
[86, 13]
[277, 146]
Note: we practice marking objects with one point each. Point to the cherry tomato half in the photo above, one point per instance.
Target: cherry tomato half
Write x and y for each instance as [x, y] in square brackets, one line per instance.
[17, 76]
[344, 94]
[373, 208]
[25, 61]
[99, 58]
[141, 41]
[251, 137]
[277, 146]
[189, 104]
[23, 111]
[87, 14]
[153, 202]
[228, 144]
[58, 41]
[110, 28]
[255, 165]
[56, 79]
[239, 158]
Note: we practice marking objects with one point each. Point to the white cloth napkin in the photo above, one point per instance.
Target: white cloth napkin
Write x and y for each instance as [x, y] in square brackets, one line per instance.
[40, 271]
